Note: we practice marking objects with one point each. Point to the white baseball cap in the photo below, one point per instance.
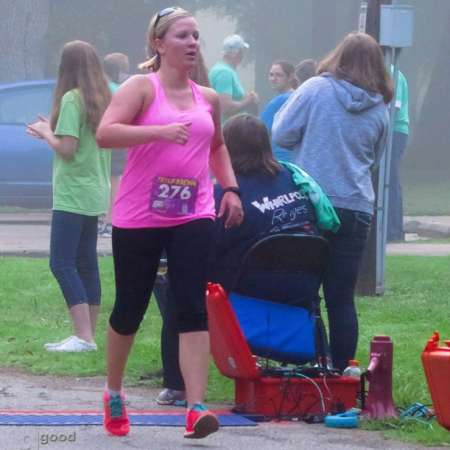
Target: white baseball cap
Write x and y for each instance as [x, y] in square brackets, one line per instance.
[233, 43]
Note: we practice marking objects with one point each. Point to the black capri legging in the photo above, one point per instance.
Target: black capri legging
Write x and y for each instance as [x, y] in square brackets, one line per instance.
[136, 259]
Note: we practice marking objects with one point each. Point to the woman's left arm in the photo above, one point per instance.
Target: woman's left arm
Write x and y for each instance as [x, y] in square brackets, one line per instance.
[220, 163]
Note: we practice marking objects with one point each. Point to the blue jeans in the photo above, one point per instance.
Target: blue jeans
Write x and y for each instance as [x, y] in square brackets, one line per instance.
[73, 257]
[339, 282]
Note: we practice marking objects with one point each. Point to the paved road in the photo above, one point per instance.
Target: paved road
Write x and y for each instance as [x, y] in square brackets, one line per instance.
[18, 391]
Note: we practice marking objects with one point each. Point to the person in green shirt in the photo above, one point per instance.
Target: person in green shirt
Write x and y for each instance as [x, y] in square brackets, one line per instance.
[224, 79]
[81, 177]
[395, 230]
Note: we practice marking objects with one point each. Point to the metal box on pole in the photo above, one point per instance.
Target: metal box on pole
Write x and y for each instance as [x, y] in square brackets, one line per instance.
[396, 26]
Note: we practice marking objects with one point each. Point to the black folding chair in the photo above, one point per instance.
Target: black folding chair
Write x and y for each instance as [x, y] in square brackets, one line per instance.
[292, 253]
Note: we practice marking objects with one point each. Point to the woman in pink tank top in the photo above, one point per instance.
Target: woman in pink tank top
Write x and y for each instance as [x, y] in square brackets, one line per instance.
[171, 127]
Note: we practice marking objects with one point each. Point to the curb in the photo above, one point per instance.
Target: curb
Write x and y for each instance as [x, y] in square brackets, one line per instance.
[430, 230]
[25, 218]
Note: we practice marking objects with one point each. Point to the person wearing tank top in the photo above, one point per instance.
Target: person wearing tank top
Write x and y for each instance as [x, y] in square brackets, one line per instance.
[171, 127]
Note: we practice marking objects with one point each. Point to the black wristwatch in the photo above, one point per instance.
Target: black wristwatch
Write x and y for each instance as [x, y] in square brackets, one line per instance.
[233, 189]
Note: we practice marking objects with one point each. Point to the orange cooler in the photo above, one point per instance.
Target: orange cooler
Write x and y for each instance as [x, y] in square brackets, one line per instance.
[436, 363]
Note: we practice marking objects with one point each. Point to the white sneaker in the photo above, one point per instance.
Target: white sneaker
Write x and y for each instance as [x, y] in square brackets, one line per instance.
[71, 344]
[55, 344]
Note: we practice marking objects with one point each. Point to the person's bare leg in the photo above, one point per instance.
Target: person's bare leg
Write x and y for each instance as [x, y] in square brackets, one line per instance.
[194, 363]
[118, 348]
[93, 314]
[81, 321]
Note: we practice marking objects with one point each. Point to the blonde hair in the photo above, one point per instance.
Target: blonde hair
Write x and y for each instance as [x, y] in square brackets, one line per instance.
[156, 30]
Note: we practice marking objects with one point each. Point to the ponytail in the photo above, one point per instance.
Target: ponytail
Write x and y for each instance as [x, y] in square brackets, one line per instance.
[151, 65]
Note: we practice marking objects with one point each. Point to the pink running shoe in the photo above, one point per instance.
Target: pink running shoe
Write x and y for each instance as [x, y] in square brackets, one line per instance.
[115, 419]
[200, 422]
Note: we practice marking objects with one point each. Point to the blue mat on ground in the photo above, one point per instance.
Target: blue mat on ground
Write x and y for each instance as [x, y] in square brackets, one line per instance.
[149, 419]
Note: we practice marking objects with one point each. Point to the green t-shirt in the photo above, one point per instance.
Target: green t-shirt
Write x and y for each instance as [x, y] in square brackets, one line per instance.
[82, 184]
[401, 118]
[225, 80]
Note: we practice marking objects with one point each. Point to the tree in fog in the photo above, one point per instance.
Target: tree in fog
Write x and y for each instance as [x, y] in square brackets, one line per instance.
[23, 28]
[427, 66]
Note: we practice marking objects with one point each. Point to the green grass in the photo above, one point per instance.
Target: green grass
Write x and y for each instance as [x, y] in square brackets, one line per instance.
[34, 312]
[426, 433]
[415, 304]
[426, 193]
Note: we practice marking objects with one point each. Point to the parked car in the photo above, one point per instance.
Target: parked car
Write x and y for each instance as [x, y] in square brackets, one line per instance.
[25, 162]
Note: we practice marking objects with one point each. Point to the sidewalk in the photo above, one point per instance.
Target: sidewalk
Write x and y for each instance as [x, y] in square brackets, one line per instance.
[28, 234]
[437, 227]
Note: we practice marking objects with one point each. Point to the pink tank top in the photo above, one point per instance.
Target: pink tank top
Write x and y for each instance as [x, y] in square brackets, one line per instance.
[166, 184]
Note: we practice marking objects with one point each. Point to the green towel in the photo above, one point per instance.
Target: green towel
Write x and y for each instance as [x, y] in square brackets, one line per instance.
[327, 218]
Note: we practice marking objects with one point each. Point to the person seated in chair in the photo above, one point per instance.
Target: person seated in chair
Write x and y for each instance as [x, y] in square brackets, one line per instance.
[272, 204]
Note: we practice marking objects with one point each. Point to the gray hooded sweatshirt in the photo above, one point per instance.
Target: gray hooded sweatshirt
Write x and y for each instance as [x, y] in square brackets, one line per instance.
[337, 132]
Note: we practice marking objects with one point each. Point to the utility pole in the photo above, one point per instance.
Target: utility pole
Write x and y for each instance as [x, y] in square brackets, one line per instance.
[367, 280]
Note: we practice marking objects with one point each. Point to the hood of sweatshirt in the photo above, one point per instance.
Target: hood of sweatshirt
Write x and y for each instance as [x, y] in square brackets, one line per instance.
[353, 98]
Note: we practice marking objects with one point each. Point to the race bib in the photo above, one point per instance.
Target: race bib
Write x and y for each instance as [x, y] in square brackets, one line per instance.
[173, 197]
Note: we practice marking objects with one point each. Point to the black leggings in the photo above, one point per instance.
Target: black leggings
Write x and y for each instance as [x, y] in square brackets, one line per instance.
[136, 258]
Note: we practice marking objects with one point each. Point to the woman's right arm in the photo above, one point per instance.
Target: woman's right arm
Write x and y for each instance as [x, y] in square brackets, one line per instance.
[116, 129]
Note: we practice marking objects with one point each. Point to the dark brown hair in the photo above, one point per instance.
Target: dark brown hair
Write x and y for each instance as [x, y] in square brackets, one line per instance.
[305, 69]
[80, 68]
[359, 60]
[248, 143]
[289, 71]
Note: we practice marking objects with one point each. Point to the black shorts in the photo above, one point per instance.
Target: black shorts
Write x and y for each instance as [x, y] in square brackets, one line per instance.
[136, 258]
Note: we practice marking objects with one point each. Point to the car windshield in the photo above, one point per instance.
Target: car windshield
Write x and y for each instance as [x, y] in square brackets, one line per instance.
[22, 105]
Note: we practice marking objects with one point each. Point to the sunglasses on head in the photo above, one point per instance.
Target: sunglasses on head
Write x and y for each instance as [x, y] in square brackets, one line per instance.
[164, 12]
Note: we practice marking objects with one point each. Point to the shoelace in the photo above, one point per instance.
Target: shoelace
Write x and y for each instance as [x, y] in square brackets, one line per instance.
[116, 405]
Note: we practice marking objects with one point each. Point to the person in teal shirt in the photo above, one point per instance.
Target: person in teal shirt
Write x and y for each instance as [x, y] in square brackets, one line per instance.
[224, 79]
[395, 230]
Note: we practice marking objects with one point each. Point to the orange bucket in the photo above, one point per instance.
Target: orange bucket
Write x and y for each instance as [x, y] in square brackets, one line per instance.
[436, 364]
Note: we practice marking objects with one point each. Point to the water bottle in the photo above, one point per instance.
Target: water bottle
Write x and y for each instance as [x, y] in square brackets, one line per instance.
[353, 369]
